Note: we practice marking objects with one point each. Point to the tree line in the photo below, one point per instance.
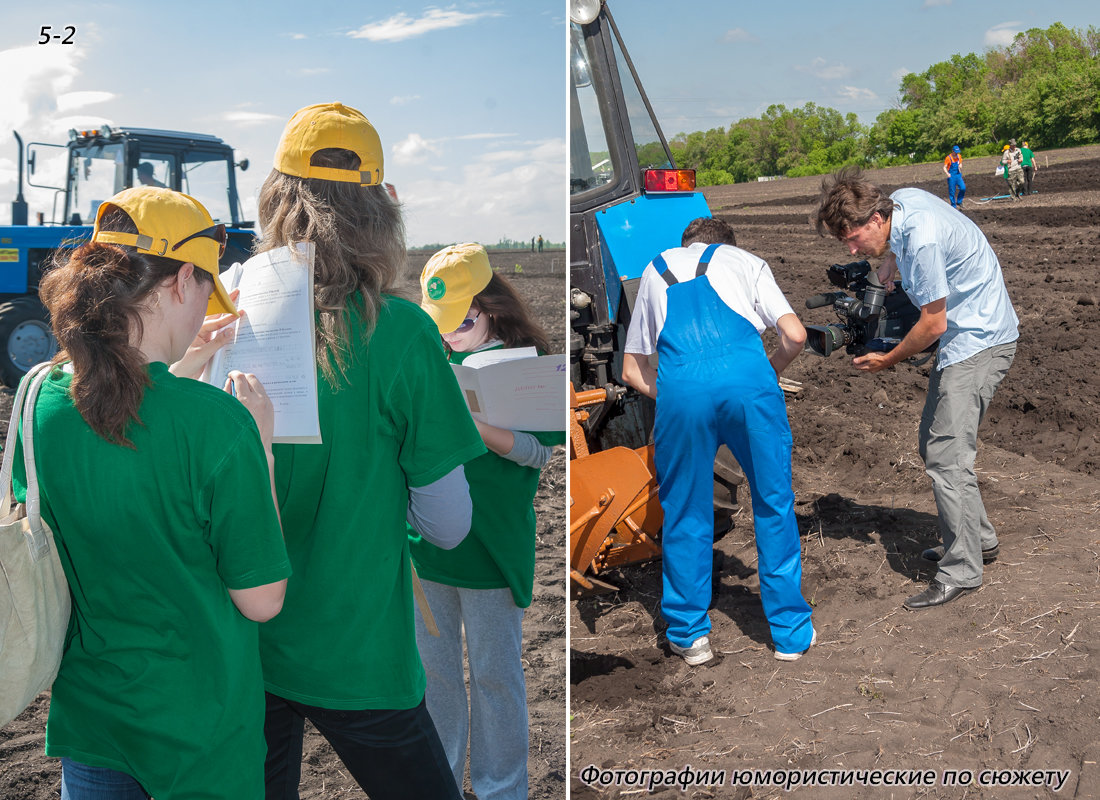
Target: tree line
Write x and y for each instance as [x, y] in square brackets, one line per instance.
[1043, 87]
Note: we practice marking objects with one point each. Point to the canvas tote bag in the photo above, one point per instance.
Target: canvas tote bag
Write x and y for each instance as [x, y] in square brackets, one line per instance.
[34, 595]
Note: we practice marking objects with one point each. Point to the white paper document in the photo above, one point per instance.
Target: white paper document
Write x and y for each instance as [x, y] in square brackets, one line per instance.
[514, 388]
[275, 339]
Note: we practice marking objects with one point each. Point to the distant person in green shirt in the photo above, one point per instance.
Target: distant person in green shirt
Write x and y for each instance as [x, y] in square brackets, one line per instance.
[1029, 164]
[481, 587]
[158, 490]
[395, 435]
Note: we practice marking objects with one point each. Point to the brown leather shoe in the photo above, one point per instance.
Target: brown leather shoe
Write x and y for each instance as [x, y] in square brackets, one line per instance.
[935, 595]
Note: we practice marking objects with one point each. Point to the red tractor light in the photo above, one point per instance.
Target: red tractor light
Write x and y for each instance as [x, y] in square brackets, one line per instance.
[670, 180]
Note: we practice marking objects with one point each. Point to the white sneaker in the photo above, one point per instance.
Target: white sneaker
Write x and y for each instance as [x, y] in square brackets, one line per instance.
[795, 656]
[698, 653]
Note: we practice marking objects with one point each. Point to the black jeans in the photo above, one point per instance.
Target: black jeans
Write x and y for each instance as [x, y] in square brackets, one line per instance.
[393, 755]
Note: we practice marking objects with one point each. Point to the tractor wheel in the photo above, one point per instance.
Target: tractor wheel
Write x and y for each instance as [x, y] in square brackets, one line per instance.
[25, 338]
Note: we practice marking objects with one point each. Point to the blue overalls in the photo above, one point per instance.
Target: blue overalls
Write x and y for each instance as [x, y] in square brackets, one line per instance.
[956, 186]
[715, 385]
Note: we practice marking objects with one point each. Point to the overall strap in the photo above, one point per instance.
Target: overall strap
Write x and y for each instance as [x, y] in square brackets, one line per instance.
[661, 266]
[704, 260]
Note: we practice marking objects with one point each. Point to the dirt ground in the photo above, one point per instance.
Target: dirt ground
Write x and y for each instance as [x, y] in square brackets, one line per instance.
[26, 773]
[1001, 678]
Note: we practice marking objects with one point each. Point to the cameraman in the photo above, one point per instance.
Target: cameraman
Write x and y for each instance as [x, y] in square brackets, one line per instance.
[949, 270]
[702, 307]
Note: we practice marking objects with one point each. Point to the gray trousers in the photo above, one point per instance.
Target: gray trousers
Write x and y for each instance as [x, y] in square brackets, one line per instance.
[958, 396]
[493, 717]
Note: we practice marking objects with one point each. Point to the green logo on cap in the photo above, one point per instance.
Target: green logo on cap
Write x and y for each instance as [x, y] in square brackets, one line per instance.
[436, 288]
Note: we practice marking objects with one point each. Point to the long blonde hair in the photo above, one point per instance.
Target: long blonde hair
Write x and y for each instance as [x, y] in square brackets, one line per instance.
[359, 237]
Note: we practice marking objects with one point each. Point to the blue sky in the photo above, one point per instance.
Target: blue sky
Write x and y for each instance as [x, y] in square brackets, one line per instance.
[709, 63]
[468, 98]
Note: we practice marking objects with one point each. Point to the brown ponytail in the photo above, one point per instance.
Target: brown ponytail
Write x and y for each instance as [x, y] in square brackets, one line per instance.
[94, 296]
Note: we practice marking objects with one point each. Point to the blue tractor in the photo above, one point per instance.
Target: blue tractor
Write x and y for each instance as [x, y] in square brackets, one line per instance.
[628, 202]
[99, 163]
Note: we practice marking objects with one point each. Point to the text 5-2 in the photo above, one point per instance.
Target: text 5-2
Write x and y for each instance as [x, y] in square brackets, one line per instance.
[45, 37]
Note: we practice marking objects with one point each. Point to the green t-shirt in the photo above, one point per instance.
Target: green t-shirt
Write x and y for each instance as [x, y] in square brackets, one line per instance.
[1028, 155]
[499, 552]
[161, 674]
[346, 637]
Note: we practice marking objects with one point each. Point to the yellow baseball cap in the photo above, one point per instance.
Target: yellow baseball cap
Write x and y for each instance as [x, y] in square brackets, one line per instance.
[326, 125]
[173, 225]
[450, 281]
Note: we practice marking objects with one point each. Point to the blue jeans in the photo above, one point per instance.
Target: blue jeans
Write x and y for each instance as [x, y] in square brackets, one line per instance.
[392, 754]
[82, 782]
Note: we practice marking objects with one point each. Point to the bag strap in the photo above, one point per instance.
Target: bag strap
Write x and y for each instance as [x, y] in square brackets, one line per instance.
[40, 537]
[9, 442]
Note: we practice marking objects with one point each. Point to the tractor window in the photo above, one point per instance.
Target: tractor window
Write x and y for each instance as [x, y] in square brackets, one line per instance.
[590, 163]
[99, 173]
[647, 142]
[206, 178]
[154, 169]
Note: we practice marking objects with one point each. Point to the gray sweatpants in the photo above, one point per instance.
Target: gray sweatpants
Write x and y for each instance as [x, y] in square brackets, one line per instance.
[493, 717]
[958, 396]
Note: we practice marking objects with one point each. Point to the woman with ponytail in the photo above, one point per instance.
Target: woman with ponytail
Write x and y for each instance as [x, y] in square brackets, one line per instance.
[158, 490]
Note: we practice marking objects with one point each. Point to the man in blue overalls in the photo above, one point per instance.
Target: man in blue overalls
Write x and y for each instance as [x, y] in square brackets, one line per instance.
[702, 307]
[956, 186]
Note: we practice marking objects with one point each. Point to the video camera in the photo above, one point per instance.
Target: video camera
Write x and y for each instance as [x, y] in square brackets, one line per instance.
[872, 321]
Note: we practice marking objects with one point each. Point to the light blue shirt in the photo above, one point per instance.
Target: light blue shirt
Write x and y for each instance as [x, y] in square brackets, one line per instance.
[941, 253]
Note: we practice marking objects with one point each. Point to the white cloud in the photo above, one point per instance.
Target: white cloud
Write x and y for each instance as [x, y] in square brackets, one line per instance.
[469, 136]
[738, 35]
[34, 77]
[1002, 35]
[900, 73]
[414, 149]
[934, 3]
[404, 100]
[855, 94]
[401, 26]
[298, 36]
[74, 100]
[514, 193]
[249, 118]
[821, 68]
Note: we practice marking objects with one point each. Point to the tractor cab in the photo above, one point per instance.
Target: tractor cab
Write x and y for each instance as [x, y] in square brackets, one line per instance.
[104, 161]
[94, 166]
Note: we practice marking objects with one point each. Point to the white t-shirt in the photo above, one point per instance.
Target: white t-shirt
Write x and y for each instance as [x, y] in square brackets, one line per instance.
[744, 282]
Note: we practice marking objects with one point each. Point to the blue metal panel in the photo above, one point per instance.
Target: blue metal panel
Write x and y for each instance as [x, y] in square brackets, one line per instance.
[634, 231]
[16, 240]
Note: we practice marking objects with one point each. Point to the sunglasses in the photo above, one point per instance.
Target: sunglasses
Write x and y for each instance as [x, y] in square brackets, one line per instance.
[215, 232]
[468, 323]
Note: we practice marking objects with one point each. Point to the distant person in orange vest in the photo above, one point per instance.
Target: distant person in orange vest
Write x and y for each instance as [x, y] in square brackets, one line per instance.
[956, 186]
[540, 243]
[1029, 164]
